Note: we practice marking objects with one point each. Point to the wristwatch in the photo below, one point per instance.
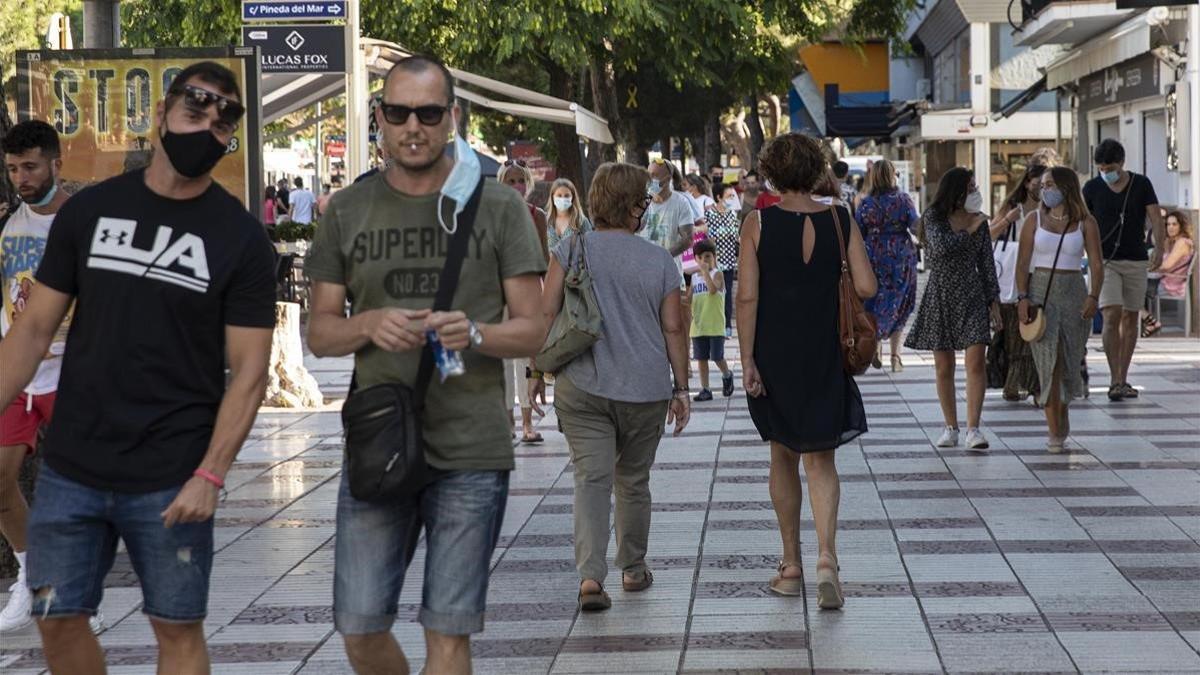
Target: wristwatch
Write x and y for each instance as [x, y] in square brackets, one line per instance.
[475, 335]
[1022, 296]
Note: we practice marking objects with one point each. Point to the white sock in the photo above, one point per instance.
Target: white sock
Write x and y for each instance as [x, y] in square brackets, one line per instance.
[20, 564]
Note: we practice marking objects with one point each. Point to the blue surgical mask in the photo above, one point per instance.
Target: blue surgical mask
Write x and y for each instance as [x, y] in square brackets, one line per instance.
[563, 203]
[44, 201]
[1052, 197]
[654, 187]
[1111, 177]
[461, 182]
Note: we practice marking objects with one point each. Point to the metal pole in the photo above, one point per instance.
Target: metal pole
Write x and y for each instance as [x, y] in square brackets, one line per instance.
[357, 87]
[1058, 123]
[318, 153]
[101, 24]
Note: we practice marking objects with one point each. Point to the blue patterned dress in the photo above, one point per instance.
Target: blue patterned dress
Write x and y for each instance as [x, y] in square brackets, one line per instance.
[885, 221]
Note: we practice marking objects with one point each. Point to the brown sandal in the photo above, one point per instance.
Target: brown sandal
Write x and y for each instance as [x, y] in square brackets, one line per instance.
[638, 585]
[789, 586]
[594, 602]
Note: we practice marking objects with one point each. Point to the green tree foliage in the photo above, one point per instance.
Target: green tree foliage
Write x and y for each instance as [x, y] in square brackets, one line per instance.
[180, 23]
[25, 28]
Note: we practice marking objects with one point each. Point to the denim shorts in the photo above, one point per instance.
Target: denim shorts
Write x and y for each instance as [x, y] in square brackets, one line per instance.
[461, 512]
[73, 532]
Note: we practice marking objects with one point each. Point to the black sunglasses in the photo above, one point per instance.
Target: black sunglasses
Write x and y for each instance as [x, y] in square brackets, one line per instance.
[515, 162]
[229, 110]
[428, 115]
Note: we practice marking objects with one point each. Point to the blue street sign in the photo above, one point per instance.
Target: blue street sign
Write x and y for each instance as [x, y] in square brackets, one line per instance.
[292, 10]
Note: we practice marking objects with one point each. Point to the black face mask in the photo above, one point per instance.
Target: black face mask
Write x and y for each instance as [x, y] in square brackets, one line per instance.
[192, 154]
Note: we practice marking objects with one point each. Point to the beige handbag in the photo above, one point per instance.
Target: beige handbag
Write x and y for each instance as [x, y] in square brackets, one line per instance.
[1035, 328]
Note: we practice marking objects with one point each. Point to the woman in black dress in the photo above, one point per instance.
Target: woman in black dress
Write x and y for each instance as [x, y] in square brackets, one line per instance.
[961, 305]
[801, 399]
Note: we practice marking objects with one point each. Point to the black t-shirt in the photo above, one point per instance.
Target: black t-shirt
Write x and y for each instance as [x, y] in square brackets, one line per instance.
[284, 198]
[156, 281]
[1106, 205]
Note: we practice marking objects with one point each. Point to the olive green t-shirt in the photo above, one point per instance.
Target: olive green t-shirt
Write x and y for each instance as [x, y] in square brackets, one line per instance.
[388, 249]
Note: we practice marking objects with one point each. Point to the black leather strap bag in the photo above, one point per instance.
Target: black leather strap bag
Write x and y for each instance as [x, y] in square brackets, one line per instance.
[385, 450]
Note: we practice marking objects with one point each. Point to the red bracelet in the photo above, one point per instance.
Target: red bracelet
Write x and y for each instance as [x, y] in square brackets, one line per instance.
[210, 477]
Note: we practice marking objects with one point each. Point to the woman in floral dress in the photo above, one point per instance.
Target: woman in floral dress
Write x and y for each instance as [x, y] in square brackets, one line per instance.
[886, 216]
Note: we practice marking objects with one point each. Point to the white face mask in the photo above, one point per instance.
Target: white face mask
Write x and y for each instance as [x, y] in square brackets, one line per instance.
[461, 182]
[563, 203]
[974, 203]
[733, 204]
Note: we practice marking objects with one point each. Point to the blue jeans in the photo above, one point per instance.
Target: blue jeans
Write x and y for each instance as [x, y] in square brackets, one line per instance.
[461, 512]
[73, 532]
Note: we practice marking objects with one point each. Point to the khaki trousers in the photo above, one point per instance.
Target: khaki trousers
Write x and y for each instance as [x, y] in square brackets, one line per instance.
[612, 445]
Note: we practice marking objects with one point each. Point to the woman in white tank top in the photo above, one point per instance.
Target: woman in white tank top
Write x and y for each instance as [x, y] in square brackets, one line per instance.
[1054, 240]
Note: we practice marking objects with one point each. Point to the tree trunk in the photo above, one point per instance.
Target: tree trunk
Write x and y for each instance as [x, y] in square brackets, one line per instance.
[774, 115]
[570, 162]
[7, 194]
[289, 384]
[756, 130]
[604, 94]
[711, 154]
[737, 136]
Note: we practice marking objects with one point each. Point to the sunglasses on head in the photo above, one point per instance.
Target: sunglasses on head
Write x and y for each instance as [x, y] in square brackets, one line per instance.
[515, 162]
[229, 110]
[428, 115]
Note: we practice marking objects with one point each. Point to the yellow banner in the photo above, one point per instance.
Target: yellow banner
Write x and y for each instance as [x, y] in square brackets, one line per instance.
[105, 110]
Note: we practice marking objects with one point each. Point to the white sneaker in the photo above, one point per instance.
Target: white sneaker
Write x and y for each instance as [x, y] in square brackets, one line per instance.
[949, 438]
[16, 613]
[976, 440]
[96, 623]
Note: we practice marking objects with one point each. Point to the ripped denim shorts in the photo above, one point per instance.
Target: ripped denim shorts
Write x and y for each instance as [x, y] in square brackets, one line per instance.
[73, 533]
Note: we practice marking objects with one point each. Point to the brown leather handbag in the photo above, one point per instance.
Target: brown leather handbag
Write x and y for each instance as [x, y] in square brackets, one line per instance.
[856, 326]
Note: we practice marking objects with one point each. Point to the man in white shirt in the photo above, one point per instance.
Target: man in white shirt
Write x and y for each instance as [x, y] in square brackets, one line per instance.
[302, 202]
[32, 157]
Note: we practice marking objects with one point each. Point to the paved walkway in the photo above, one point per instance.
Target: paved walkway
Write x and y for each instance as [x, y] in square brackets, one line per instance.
[1014, 561]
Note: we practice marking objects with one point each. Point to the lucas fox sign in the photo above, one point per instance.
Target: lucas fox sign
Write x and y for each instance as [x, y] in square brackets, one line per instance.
[298, 49]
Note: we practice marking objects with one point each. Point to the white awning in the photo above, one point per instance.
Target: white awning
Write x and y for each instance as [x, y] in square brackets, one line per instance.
[1126, 41]
[380, 55]
[286, 93]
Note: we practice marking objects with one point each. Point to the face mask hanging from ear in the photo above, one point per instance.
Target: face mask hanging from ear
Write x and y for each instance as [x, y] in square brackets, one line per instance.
[45, 201]
[461, 182]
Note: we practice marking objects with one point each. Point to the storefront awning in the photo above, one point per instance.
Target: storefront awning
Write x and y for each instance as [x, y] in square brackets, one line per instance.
[286, 93]
[1126, 41]
[487, 92]
[1021, 100]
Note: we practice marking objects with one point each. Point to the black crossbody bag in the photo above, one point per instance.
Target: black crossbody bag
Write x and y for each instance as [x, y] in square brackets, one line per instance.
[385, 449]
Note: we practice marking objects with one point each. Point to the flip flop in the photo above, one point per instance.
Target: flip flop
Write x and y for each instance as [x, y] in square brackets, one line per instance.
[532, 440]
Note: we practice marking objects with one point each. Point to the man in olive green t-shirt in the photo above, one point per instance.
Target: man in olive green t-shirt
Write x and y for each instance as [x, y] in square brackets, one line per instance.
[382, 243]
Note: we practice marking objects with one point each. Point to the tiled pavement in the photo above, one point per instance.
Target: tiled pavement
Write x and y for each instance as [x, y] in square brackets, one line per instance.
[1013, 561]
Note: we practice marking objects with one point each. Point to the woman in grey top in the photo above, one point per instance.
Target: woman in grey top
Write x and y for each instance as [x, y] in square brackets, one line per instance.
[611, 401]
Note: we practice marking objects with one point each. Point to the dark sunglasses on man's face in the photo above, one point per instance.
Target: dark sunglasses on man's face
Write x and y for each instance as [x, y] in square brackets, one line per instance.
[228, 110]
[428, 115]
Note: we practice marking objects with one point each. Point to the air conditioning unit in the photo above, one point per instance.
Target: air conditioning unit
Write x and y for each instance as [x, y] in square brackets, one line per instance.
[924, 88]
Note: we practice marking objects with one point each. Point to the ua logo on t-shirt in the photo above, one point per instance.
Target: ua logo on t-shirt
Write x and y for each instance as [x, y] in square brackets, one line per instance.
[113, 249]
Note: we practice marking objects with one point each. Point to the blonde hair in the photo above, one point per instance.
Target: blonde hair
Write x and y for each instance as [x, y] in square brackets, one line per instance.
[576, 215]
[617, 188]
[881, 179]
[530, 184]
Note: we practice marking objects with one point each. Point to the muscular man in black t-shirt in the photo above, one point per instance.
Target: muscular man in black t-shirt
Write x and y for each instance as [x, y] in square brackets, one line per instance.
[1122, 203]
[169, 275]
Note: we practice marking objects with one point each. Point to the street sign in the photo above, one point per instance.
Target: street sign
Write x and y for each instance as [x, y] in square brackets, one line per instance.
[292, 10]
[298, 49]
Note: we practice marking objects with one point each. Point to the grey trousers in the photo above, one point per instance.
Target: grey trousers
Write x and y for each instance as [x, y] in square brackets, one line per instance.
[612, 444]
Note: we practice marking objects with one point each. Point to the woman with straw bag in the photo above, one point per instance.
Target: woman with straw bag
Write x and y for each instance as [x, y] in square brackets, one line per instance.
[1054, 306]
